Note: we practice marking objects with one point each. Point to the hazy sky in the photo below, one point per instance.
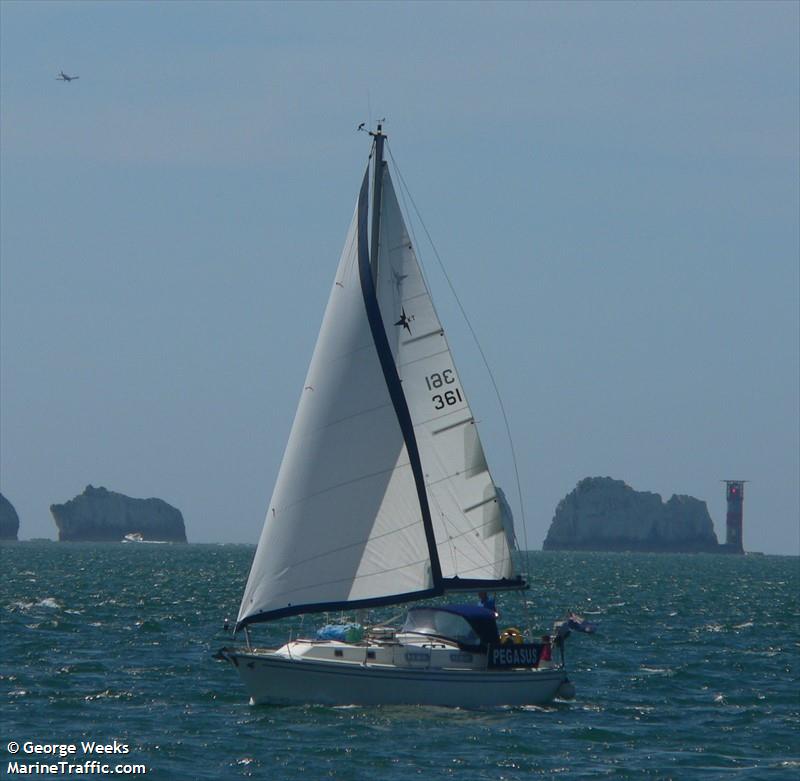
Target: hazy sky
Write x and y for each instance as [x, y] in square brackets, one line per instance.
[613, 189]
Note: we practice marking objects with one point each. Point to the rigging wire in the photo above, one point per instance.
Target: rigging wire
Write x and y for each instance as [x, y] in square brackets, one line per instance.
[483, 357]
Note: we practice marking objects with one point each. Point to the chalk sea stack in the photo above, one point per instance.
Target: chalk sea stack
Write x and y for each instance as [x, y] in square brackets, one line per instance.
[9, 520]
[99, 515]
[603, 514]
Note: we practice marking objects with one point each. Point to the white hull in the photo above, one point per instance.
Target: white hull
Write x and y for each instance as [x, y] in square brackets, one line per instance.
[272, 678]
[137, 537]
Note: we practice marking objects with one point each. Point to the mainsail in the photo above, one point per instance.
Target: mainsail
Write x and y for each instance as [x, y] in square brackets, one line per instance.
[383, 494]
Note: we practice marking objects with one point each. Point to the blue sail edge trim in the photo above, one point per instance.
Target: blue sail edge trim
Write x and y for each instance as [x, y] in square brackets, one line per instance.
[324, 607]
[449, 585]
[478, 584]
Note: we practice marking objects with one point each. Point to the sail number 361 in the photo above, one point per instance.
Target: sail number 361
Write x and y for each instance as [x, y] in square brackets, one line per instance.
[448, 397]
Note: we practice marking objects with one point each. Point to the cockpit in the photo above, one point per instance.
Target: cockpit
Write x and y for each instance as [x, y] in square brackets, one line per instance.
[471, 627]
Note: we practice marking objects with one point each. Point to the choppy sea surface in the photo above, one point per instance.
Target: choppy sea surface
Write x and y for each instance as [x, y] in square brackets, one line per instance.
[693, 673]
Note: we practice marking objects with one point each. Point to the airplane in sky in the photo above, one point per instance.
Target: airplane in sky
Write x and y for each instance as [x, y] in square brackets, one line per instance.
[63, 77]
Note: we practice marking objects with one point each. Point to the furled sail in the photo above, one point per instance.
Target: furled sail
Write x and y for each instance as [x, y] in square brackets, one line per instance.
[472, 526]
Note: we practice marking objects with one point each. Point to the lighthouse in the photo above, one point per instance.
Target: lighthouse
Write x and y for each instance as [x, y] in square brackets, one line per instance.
[734, 492]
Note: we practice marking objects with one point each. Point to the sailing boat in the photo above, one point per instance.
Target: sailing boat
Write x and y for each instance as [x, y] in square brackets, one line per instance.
[384, 497]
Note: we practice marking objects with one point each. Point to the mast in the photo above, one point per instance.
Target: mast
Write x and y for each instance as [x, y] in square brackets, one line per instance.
[377, 189]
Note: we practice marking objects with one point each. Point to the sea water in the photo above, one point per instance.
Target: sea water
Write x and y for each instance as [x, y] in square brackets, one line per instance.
[692, 673]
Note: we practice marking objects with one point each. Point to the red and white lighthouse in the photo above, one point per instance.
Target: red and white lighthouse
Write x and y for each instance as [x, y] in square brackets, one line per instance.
[734, 492]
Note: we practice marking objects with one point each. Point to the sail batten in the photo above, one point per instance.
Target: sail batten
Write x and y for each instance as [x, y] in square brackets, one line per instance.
[437, 332]
[449, 426]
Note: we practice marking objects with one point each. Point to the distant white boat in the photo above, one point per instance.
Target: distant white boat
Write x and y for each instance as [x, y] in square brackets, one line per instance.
[383, 497]
[138, 537]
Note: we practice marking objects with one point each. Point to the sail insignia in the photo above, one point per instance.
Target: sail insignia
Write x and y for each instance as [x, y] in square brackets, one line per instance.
[405, 321]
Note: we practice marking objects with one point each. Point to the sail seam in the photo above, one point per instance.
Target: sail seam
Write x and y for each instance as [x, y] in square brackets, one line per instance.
[478, 567]
[470, 553]
[456, 533]
[377, 573]
[330, 488]
[424, 358]
[433, 418]
[481, 559]
[312, 431]
[449, 476]
[356, 544]
[339, 357]
[408, 299]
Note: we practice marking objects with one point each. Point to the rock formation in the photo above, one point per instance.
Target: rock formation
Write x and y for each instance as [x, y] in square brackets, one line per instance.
[98, 515]
[9, 520]
[607, 515]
